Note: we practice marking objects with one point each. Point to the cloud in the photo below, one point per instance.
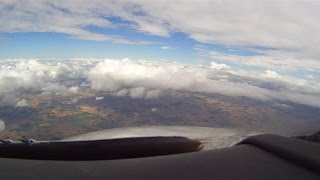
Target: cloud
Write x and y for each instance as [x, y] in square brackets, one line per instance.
[217, 66]
[166, 47]
[242, 24]
[74, 89]
[98, 98]
[149, 80]
[267, 61]
[137, 79]
[154, 94]
[2, 125]
[67, 17]
[137, 92]
[22, 103]
[122, 92]
[288, 27]
[19, 77]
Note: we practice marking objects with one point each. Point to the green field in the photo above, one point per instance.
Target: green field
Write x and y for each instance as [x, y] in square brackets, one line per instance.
[79, 117]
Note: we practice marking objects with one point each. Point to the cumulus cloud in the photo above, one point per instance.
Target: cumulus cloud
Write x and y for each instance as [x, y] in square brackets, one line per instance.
[122, 92]
[149, 80]
[217, 66]
[22, 76]
[146, 79]
[137, 92]
[74, 89]
[22, 103]
[154, 94]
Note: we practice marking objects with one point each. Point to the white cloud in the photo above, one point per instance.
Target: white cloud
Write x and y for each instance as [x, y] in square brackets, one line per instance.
[139, 78]
[98, 98]
[122, 92]
[268, 23]
[154, 94]
[268, 61]
[310, 76]
[137, 92]
[22, 103]
[149, 80]
[291, 27]
[2, 125]
[217, 66]
[166, 47]
[67, 17]
[74, 89]
[271, 74]
[22, 76]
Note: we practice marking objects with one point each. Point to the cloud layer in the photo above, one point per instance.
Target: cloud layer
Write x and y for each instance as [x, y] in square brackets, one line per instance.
[149, 80]
[19, 77]
[290, 27]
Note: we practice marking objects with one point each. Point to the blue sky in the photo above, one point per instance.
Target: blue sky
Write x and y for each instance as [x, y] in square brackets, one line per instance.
[177, 47]
[57, 45]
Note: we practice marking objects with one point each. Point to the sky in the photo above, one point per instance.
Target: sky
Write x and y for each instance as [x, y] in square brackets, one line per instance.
[175, 30]
[229, 47]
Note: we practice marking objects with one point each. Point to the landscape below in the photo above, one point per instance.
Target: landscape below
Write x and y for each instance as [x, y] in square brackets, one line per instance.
[61, 115]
